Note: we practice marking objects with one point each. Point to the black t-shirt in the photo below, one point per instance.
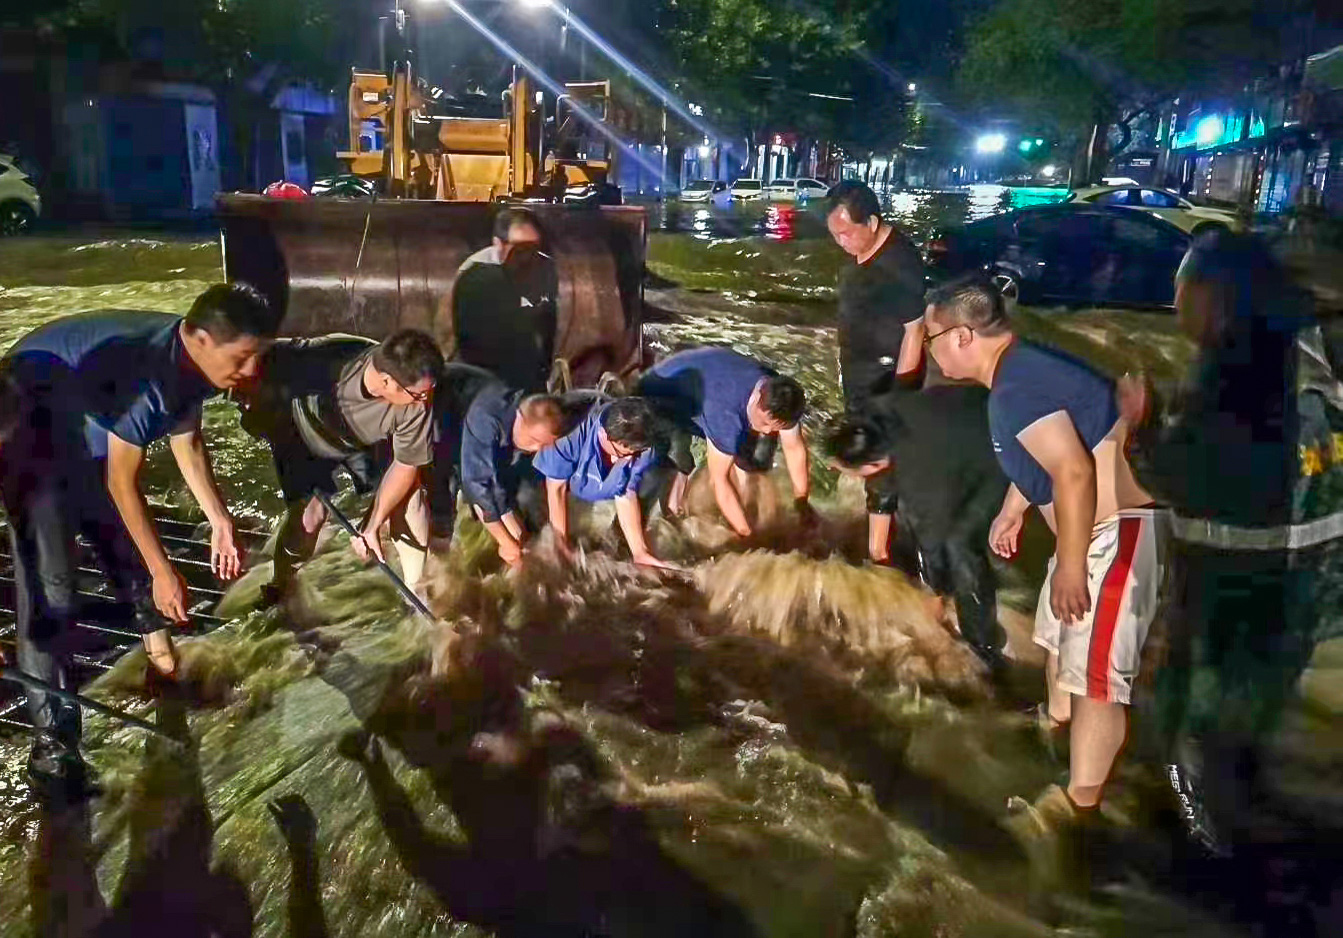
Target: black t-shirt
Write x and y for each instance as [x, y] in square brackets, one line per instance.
[946, 474]
[505, 317]
[876, 300]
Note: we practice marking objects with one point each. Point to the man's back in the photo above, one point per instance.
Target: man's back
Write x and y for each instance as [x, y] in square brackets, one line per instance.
[120, 371]
[942, 455]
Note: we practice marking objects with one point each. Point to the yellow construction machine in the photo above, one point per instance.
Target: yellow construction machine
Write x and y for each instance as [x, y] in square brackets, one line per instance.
[389, 260]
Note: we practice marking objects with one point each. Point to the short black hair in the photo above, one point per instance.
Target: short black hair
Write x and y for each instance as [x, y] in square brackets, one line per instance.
[229, 311]
[857, 199]
[632, 422]
[409, 356]
[509, 217]
[972, 300]
[783, 399]
[854, 442]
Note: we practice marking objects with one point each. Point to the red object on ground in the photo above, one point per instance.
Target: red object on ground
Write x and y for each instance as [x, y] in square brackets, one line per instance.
[285, 190]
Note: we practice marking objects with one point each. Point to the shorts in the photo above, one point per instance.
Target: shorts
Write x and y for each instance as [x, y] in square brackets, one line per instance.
[1099, 656]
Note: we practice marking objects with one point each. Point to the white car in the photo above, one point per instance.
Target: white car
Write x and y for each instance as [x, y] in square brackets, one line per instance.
[705, 190]
[748, 190]
[20, 205]
[1182, 213]
[796, 190]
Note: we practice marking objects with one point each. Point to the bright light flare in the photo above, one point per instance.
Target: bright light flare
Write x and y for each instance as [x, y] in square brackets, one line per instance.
[1209, 130]
[534, 4]
[551, 85]
[1049, 170]
[991, 143]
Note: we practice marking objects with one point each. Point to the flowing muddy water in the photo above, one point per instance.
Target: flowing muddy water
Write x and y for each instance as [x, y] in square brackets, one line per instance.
[782, 743]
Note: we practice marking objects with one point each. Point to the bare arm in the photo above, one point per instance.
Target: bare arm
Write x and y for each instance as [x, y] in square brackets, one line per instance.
[557, 500]
[509, 539]
[124, 461]
[193, 460]
[911, 347]
[798, 460]
[725, 493]
[1054, 443]
[398, 482]
[630, 514]
[1006, 528]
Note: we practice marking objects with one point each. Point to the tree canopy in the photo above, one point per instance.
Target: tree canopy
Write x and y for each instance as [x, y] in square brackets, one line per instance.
[1068, 65]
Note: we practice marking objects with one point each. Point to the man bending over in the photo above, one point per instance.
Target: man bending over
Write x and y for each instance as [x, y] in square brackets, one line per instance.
[487, 436]
[736, 404]
[345, 402]
[1060, 440]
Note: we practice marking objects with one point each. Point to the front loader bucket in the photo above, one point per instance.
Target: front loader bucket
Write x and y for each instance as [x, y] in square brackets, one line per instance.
[370, 267]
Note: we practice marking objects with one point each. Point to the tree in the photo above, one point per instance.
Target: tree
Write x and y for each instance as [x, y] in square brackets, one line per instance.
[1078, 67]
[758, 64]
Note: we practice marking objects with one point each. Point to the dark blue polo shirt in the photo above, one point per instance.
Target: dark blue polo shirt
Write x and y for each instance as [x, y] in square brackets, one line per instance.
[1032, 383]
[578, 460]
[705, 391]
[487, 451]
[119, 372]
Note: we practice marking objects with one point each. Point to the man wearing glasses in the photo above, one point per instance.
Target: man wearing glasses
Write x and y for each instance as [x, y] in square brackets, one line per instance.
[345, 402]
[1060, 439]
[605, 457]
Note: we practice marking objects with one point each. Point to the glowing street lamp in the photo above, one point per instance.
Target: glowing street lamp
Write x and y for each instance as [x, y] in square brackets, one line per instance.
[991, 143]
[1049, 170]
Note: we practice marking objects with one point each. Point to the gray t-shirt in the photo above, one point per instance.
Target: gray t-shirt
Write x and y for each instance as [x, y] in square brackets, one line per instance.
[370, 420]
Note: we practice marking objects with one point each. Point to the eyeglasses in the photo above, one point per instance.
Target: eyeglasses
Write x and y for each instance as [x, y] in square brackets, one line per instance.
[928, 339]
[419, 397]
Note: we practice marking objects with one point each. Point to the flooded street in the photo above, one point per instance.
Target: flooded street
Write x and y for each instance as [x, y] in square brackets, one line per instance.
[783, 743]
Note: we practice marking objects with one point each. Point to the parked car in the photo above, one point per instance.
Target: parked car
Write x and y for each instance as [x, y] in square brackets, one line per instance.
[20, 204]
[1071, 253]
[796, 190]
[705, 190]
[1180, 212]
[748, 190]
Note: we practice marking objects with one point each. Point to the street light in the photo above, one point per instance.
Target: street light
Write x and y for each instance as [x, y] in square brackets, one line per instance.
[991, 143]
[913, 87]
[1049, 170]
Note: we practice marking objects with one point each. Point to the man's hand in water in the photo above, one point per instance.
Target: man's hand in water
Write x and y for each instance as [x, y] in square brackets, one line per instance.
[510, 552]
[367, 547]
[676, 504]
[806, 514]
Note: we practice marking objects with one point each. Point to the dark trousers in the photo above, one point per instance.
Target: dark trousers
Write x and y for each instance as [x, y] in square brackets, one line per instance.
[1242, 628]
[954, 561]
[959, 567]
[48, 506]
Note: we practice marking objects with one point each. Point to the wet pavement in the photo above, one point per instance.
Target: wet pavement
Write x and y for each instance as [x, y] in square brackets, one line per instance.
[609, 754]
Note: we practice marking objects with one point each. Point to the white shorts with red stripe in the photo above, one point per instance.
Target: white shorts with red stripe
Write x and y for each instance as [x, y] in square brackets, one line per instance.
[1099, 656]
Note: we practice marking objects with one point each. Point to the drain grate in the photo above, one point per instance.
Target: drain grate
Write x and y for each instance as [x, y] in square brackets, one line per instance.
[102, 634]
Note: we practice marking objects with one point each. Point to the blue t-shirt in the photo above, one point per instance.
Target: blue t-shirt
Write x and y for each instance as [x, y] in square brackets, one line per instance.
[578, 460]
[1032, 383]
[487, 450]
[705, 392]
[116, 372]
